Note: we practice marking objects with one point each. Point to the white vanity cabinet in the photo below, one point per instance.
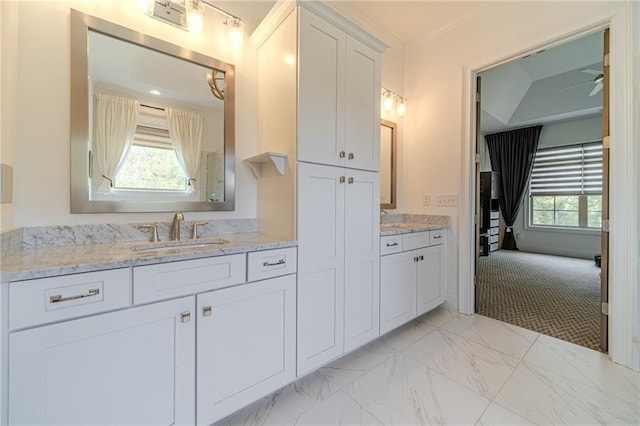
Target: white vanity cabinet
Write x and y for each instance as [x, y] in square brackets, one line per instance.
[185, 342]
[99, 369]
[338, 268]
[338, 96]
[245, 345]
[412, 279]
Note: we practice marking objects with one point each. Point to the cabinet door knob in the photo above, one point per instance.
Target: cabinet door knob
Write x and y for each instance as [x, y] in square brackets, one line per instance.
[350, 180]
[421, 257]
[415, 259]
[342, 154]
[351, 156]
[341, 180]
[185, 316]
[206, 311]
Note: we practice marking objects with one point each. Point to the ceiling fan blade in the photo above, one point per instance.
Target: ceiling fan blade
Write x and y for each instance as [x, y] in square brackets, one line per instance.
[596, 89]
[562, 89]
[592, 72]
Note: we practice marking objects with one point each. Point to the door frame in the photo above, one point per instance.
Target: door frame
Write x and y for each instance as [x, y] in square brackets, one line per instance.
[623, 270]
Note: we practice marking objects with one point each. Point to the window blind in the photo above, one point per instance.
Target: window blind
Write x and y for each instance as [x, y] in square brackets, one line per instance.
[567, 170]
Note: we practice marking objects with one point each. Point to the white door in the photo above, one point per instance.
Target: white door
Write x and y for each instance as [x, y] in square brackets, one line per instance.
[362, 106]
[135, 366]
[397, 290]
[431, 285]
[362, 258]
[320, 265]
[246, 345]
[321, 91]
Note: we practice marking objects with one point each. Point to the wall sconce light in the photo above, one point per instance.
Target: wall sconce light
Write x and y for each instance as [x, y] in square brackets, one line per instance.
[189, 15]
[389, 98]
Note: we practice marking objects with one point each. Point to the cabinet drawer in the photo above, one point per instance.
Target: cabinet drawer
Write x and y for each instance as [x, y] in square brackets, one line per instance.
[175, 279]
[390, 244]
[52, 299]
[436, 237]
[415, 240]
[271, 263]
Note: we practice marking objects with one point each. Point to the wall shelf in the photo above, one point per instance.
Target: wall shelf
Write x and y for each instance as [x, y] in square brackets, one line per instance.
[278, 160]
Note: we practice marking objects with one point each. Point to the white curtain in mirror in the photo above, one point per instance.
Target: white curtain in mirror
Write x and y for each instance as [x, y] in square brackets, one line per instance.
[185, 130]
[114, 127]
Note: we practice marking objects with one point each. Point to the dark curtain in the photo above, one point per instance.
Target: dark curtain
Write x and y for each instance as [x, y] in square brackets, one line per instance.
[512, 154]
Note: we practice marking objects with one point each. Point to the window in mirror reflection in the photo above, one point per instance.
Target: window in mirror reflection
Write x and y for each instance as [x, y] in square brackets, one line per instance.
[150, 138]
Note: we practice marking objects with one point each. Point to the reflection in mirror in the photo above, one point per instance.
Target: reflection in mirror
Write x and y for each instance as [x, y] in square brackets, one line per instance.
[388, 154]
[151, 123]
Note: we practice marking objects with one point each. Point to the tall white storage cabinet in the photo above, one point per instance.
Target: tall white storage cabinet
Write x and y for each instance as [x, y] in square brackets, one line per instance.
[319, 94]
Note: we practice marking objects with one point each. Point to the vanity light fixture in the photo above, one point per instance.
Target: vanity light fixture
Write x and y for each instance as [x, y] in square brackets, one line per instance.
[189, 15]
[389, 98]
[155, 92]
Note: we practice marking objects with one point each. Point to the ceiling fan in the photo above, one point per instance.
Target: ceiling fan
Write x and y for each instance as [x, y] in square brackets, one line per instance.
[597, 80]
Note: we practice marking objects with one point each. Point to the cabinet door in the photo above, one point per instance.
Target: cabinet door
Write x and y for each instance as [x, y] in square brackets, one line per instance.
[397, 290]
[246, 345]
[362, 126]
[321, 90]
[431, 285]
[362, 258]
[134, 366]
[320, 265]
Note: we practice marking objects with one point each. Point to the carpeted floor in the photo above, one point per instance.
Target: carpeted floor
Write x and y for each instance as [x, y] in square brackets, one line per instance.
[553, 295]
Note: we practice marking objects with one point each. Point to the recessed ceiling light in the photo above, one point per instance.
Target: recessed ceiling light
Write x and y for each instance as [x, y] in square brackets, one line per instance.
[155, 92]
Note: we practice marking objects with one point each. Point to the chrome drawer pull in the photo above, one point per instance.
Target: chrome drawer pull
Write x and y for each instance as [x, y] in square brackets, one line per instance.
[392, 244]
[279, 262]
[56, 298]
[206, 311]
[351, 156]
[437, 237]
[342, 154]
[185, 316]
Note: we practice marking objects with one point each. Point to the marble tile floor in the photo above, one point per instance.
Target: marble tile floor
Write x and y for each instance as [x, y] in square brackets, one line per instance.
[446, 368]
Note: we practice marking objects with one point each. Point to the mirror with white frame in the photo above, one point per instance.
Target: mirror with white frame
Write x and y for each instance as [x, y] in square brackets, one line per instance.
[388, 154]
[152, 123]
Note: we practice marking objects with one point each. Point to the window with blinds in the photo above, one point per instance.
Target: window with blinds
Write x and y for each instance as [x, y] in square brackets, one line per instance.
[568, 170]
[566, 187]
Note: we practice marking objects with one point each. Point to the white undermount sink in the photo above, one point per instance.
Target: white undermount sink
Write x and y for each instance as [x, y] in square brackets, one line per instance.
[177, 245]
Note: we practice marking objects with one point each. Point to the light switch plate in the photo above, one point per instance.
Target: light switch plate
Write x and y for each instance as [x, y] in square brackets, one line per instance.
[426, 200]
[447, 200]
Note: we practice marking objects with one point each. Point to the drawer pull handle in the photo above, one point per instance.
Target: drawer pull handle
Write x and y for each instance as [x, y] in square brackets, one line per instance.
[421, 257]
[185, 316]
[350, 180]
[279, 262]
[342, 154]
[56, 298]
[392, 244]
[437, 237]
[206, 311]
[351, 156]
[415, 259]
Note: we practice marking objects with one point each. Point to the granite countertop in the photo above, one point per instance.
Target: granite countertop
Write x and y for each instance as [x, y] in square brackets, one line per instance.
[29, 263]
[394, 224]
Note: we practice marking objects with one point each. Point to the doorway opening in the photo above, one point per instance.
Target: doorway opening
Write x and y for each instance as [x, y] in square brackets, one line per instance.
[551, 284]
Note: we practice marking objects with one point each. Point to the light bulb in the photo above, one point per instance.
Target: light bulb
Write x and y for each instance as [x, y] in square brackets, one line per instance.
[402, 107]
[234, 31]
[387, 101]
[195, 17]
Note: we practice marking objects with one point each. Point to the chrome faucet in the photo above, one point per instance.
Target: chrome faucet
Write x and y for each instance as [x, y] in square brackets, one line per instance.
[174, 234]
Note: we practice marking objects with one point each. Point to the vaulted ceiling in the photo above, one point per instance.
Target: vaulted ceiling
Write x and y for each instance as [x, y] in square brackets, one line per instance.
[549, 86]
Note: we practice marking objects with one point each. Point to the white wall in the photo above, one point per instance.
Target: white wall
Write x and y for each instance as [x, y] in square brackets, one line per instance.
[434, 83]
[41, 145]
[8, 99]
